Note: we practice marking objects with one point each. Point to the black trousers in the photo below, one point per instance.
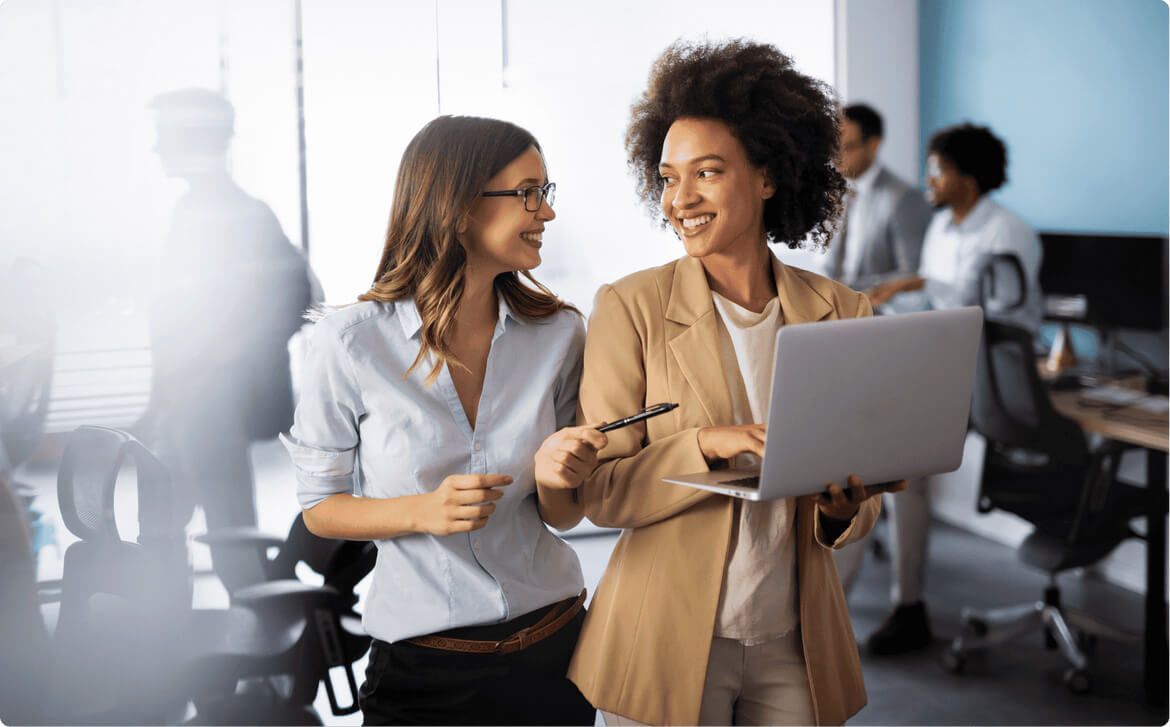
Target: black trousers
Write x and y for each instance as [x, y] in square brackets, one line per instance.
[410, 684]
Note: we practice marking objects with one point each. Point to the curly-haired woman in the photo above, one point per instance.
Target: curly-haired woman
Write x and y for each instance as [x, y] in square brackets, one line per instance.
[437, 398]
[714, 610]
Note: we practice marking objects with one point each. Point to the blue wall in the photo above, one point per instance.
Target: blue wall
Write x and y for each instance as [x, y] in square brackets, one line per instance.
[1078, 89]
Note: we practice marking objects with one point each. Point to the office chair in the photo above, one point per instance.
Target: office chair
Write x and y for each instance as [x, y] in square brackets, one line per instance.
[123, 604]
[341, 563]
[338, 639]
[1039, 466]
[130, 649]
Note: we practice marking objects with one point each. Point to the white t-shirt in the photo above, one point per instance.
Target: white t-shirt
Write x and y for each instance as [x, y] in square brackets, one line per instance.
[758, 601]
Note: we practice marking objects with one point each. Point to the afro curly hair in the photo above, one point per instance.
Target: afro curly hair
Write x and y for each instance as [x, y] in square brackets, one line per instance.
[786, 122]
[975, 152]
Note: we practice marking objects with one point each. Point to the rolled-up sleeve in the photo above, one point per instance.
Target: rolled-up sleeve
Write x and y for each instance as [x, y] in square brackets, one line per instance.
[324, 438]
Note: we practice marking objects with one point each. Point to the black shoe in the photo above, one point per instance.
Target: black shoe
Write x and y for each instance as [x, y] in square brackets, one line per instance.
[906, 629]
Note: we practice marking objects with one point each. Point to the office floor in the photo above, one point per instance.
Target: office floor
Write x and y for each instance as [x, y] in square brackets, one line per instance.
[1016, 684]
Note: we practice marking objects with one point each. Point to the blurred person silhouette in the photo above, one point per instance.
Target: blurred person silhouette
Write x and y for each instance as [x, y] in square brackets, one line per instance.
[964, 165]
[881, 238]
[885, 218]
[229, 292]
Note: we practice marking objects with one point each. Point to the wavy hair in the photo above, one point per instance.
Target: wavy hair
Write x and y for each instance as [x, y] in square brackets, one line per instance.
[785, 120]
[443, 170]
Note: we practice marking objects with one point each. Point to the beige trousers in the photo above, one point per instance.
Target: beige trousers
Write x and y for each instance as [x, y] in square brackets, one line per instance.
[909, 537]
[763, 684]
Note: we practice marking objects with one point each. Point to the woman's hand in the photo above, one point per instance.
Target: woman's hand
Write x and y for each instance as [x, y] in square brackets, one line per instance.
[840, 506]
[718, 443]
[567, 457]
[460, 504]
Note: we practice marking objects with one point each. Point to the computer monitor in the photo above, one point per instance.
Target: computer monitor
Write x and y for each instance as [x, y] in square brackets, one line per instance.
[1106, 281]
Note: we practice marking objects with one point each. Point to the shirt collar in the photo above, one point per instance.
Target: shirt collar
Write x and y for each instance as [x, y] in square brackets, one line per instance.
[865, 181]
[407, 311]
[976, 218]
[505, 314]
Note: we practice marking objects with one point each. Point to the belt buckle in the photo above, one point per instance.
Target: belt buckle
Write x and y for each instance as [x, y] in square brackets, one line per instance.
[510, 644]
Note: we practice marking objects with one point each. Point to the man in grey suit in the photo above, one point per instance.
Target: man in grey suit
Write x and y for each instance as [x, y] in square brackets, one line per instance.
[885, 218]
[881, 239]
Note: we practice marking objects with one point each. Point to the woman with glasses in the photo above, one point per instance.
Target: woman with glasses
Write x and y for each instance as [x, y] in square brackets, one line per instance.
[428, 423]
[715, 610]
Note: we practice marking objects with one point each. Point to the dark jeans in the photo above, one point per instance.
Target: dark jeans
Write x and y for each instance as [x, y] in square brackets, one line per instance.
[409, 684]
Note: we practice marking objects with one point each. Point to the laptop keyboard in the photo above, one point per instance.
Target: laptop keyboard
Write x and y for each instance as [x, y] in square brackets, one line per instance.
[753, 481]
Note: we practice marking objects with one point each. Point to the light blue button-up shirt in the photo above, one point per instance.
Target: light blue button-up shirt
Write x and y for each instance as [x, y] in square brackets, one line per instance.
[363, 427]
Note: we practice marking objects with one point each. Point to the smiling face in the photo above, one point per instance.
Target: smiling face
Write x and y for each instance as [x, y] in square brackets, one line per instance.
[499, 234]
[946, 184]
[712, 194]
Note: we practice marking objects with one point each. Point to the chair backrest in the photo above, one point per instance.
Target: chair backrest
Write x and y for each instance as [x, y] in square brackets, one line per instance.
[117, 597]
[90, 467]
[1011, 405]
[990, 280]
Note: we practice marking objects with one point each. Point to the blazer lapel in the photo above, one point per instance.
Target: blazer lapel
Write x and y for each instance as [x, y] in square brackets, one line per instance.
[694, 334]
[694, 337]
[799, 302]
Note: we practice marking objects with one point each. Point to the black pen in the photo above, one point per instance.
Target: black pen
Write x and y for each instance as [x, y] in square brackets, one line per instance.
[650, 411]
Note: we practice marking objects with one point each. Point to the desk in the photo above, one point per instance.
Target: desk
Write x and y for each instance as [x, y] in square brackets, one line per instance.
[1148, 431]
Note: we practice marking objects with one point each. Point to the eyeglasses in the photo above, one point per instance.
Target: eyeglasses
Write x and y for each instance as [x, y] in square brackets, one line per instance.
[533, 196]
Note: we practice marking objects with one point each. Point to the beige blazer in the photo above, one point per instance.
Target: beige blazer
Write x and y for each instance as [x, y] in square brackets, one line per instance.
[643, 651]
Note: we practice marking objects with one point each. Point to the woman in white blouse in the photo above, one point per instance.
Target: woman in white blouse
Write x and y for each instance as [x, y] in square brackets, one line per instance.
[422, 411]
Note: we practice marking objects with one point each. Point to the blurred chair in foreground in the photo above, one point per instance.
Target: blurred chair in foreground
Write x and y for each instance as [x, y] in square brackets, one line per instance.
[130, 649]
[25, 652]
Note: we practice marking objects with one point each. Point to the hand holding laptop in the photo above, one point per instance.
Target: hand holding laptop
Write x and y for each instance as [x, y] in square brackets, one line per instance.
[727, 442]
[841, 506]
[899, 411]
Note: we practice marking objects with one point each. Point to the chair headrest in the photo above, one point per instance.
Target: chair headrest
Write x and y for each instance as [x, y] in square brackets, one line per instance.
[94, 457]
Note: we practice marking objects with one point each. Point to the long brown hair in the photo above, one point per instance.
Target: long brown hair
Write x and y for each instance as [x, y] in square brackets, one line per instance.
[443, 170]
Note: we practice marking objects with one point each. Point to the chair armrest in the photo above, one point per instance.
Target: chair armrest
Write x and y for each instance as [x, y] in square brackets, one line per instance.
[240, 537]
[289, 597]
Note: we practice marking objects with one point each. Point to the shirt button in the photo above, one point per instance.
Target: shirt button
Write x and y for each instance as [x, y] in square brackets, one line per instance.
[478, 446]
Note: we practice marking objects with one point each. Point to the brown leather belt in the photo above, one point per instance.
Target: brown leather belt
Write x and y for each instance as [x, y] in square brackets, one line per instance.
[556, 618]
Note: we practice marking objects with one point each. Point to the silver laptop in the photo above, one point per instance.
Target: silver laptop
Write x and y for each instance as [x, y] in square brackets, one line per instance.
[885, 398]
